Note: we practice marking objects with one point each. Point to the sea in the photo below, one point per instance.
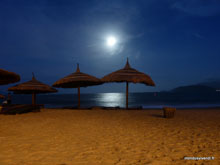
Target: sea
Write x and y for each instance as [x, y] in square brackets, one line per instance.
[151, 100]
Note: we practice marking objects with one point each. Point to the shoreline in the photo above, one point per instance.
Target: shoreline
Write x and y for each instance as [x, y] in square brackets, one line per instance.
[130, 109]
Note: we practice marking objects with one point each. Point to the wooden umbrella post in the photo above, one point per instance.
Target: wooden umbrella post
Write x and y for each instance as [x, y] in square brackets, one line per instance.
[78, 97]
[33, 98]
[126, 95]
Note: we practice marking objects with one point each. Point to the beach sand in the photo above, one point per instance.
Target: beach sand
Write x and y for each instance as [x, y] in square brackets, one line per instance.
[68, 137]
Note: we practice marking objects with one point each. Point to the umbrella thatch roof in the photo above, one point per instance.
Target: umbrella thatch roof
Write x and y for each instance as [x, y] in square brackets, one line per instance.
[77, 79]
[2, 96]
[128, 74]
[7, 77]
[32, 86]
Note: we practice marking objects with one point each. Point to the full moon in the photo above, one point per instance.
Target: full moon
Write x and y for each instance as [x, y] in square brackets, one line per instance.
[111, 41]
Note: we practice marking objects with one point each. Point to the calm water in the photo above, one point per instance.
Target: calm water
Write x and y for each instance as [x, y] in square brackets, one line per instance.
[146, 100]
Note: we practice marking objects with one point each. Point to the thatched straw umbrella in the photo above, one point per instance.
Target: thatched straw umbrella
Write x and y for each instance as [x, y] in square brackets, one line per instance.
[32, 87]
[128, 74]
[77, 80]
[2, 96]
[7, 77]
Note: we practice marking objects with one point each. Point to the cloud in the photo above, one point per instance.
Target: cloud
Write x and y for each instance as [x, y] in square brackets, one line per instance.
[199, 36]
[116, 11]
[134, 36]
[198, 7]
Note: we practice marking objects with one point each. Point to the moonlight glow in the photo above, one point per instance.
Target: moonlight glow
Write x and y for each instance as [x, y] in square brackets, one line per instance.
[111, 41]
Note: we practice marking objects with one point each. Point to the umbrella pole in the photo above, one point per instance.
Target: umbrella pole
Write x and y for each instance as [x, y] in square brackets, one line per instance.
[126, 95]
[78, 97]
[33, 98]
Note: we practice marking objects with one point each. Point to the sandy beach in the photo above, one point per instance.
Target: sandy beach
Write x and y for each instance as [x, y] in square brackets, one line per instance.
[68, 137]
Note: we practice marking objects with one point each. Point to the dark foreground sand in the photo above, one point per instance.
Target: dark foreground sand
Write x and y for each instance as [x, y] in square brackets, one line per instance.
[68, 137]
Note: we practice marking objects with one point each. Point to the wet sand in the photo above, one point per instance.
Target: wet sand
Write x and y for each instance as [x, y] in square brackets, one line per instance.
[68, 137]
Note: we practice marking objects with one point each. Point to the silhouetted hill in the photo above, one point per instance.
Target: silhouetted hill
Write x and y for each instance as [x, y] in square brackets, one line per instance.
[194, 89]
[214, 84]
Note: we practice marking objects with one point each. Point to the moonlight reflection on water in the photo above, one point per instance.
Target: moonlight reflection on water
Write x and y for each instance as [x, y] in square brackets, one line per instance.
[112, 99]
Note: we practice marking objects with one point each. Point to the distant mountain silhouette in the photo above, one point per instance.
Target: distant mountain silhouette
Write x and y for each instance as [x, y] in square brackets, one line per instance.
[214, 84]
[194, 89]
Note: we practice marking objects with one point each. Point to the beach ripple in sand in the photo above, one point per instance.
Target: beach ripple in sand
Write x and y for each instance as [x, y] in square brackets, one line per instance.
[66, 137]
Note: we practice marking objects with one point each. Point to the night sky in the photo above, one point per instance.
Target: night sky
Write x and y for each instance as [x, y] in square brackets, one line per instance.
[176, 42]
